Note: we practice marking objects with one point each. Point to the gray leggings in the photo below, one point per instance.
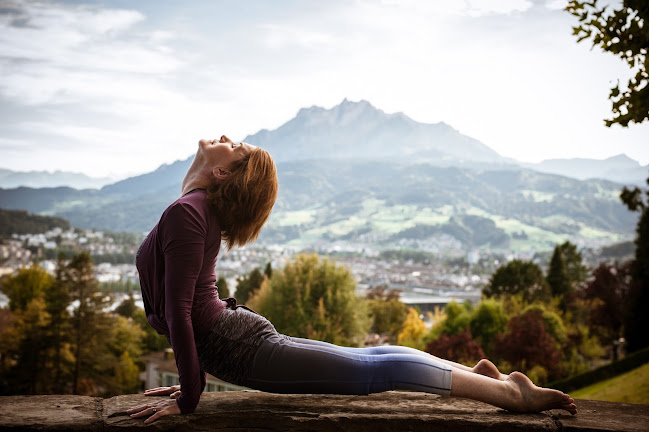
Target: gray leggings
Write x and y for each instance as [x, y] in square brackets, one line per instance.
[245, 349]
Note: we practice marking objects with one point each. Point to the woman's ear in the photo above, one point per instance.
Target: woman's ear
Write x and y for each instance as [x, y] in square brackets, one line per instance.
[220, 173]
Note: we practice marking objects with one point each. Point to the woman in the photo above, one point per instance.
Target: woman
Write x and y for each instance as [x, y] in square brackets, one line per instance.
[227, 194]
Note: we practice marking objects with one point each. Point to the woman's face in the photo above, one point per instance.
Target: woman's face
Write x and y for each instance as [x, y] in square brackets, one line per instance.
[222, 153]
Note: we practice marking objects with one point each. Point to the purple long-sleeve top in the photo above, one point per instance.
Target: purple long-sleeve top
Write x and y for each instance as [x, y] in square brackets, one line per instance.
[176, 268]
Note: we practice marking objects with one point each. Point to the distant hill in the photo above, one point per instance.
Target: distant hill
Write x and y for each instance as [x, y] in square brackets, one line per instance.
[379, 203]
[37, 179]
[21, 222]
[620, 168]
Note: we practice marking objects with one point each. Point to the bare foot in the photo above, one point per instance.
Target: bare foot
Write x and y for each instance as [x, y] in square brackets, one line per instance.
[487, 368]
[530, 398]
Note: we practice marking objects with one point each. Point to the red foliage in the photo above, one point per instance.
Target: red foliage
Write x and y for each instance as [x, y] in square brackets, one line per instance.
[611, 284]
[527, 344]
[460, 348]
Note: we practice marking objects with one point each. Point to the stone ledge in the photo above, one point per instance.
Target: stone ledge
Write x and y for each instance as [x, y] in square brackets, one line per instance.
[257, 411]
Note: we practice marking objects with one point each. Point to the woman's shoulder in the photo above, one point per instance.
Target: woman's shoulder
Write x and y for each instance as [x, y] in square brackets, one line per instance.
[193, 204]
[194, 199]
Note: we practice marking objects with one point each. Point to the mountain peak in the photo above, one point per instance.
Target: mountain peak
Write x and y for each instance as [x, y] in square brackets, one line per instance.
[622, 158]
[361, 131]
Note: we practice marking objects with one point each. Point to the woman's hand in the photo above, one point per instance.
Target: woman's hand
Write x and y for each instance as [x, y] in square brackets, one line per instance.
[173, 391]
[155, 410]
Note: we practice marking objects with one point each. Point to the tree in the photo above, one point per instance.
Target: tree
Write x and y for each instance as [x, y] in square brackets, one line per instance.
[44, 349]
[608, 293]
[27, 336]
[638, 320]
[248, 285]
[576, 271]
[387, 311]
[151, 340]
[268, 270]
[57, 299]
[222, 286]
[518, 278]
[487, 321]
[413, 330]
[119, 371]
[28, 374]
[527, 344]
[29, 283]
[88, 321]
[127, 307]
[457, 319]
[557, 275]
[316, 299]
[460, 348]
[622, 32]
[553, 322]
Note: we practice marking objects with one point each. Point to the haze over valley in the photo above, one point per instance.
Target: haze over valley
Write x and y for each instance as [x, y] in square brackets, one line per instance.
[355, 178]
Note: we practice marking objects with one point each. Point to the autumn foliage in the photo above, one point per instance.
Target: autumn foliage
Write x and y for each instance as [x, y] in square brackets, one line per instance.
[527, 343]
[460, 348]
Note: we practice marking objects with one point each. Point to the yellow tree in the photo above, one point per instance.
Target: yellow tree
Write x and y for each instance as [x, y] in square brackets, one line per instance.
[413, 330]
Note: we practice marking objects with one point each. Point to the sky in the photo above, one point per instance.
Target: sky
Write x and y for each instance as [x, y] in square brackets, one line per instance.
[117, 88]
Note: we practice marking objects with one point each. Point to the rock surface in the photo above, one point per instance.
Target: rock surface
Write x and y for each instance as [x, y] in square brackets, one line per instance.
[257, 411]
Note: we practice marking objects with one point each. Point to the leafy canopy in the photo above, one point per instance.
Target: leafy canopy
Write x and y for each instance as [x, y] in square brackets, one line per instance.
[622, 32]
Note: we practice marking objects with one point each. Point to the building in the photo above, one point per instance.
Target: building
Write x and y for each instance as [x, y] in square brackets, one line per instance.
[161, 371]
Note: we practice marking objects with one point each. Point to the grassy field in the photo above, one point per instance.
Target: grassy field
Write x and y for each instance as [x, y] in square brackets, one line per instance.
[631, 387]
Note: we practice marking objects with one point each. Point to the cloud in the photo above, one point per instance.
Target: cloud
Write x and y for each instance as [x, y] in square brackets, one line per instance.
[149, 80]
[458, 7]
[53, 53]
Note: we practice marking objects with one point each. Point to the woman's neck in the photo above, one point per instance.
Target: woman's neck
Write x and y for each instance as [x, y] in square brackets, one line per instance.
[197, 177]
[190, 185]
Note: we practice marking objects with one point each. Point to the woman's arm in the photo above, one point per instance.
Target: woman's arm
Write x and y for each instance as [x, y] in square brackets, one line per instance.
[182, 233]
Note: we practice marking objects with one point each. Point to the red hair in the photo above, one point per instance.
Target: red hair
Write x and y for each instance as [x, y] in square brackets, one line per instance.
[245, 198]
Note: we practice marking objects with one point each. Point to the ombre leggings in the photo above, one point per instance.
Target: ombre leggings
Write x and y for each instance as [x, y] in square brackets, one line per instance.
[245, 349]
[292, 365]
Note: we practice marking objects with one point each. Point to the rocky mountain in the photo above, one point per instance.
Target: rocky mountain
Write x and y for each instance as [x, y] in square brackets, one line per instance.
[38, 179]
[357, 130]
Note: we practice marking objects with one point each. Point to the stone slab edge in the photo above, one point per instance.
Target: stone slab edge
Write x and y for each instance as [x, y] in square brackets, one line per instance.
[239, 411]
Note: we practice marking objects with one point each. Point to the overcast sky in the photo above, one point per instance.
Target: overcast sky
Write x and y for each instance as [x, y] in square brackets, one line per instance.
[120, 87]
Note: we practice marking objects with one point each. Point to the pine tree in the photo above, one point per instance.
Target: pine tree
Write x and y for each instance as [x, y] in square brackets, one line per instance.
[89, 322]
[637, 323]
[58, 300]
[557, 275]
[248, 285]
[222, 286]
